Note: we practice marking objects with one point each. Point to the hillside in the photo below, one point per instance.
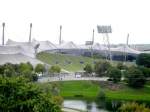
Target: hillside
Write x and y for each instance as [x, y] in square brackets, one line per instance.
[69, 62]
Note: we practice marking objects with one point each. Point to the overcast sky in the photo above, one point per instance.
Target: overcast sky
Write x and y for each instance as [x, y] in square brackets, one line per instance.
[78, 18]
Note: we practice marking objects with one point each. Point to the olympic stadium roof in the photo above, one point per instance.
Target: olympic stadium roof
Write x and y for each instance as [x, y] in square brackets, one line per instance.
[68, 45]
[44, 45]
[97, 46]
[27, 48]
[17, 58]
[10, 49]
[126, 49]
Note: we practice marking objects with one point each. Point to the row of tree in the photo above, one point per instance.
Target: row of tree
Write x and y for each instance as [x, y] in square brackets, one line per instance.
[134, 75]
[18, 92]
[27, 70]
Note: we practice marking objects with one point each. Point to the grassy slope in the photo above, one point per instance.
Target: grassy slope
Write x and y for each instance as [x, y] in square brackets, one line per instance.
[90, 90]
[63, 60]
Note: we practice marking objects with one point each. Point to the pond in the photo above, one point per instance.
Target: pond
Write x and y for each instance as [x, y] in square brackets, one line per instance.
[83, 105]
[95, 106]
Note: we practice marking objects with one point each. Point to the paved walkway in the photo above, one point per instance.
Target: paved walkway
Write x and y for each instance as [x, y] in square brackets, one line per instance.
[69, 78]
[71, 110]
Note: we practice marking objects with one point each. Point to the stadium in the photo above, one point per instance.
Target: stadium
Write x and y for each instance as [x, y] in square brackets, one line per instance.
[17, 52]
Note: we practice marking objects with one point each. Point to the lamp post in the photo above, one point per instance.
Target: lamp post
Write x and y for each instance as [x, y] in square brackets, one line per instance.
[104, 30]
[3, 38]
[60, 35]
[30, 33]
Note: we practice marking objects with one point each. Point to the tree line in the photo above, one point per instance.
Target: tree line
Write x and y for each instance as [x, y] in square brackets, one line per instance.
[135, 75]
[20, 93]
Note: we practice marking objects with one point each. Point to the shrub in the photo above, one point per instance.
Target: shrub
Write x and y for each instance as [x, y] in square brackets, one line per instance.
[143, 59]
[133, 107]
[101, 95]
[18, 95]
[7, 70]
[135, 77]
[88, 69]
[114, 74]
[102, 67]
[121, 66]
[145, 71]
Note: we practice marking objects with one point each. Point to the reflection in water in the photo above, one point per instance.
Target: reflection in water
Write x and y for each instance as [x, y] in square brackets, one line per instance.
[83, 105]
[76, 104]
[98, 106]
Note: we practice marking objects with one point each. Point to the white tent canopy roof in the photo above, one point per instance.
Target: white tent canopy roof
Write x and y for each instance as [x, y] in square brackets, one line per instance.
[17, 58]
[125, 49]
[10, 49]
[68, 45]
[98, 46]
[27, 48]
[44, 45]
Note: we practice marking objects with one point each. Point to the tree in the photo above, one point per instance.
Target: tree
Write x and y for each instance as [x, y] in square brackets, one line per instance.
[30, 66]
[133, 107]
[9, 70]
[39, 68]
[88, 69]
[54, 69]
[31, 76]
[18, 95]
[145, 71]
[121, 66]
[143, 59]
[102, 67]
[135, 77]
[23, 67]
[114, 74]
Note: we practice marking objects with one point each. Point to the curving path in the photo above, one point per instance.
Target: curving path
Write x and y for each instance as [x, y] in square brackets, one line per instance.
[69, 78]
[65, 109]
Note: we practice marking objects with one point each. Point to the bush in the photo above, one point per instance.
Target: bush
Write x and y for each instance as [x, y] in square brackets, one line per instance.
[58, 100]
[101, 95]
[135, 77]
[88, 69]
[121, 66]
[145, 71]
[18, 95]
[133, 107]
[102, 67]
[143, 59]
[7, 70]
[114, 74]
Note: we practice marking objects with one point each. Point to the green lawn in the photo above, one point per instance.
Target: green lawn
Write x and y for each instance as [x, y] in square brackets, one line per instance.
[82, 89]
[90, 90]
[68, 62]
[129, 93]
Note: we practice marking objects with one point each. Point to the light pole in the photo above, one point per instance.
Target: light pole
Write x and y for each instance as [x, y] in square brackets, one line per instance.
[125, 50]
[60, 35]
[104, 30]
[92, 43]
[3, 38]
[30, 33]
